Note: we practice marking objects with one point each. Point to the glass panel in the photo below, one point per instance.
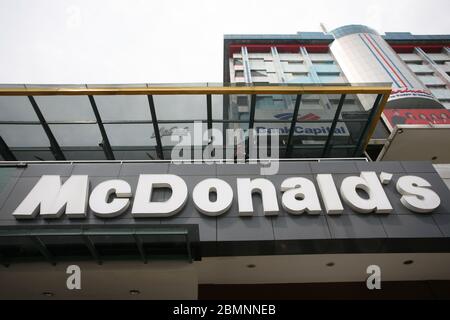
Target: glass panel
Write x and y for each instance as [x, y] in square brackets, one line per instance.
[305, 152]
[85, 154]
[65, 108]
[16, 109]
[34, 155]
[164, 245]
[115, 245]
[76, 135]
[238, 107]
[274, 107]
[130, 134]
[123, 107]
[217, 106]
[180, 107]
[353, 119]
[66, 246]
[183, 134]
[24, 136]
[19, 248]
[148, 154]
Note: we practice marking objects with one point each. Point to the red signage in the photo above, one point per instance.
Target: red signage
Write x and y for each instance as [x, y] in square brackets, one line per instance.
[417, 116]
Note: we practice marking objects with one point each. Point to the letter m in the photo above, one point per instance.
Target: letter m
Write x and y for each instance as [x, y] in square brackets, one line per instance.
[51, 199]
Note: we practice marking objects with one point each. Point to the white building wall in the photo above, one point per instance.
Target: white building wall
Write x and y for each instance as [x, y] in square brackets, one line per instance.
[366, 58]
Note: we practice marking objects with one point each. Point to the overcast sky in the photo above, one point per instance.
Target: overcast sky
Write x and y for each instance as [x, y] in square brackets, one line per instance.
[163, 41]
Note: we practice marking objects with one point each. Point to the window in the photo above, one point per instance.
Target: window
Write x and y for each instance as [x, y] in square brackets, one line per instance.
[329, 74]
[326, 62]
[237, 62]
[299, 74]
[436, 86]
[242, 100]
[424, 73]
[258, 73]
[239, 74]
[413, 62]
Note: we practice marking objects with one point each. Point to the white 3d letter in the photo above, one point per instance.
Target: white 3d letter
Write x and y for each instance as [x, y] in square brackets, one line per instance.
[201, 192]
[330, 195]
[98, 201]
[368, 181]
[416, 195]
[245, 189]
[51, 198]
[143, 207]
[299, 196]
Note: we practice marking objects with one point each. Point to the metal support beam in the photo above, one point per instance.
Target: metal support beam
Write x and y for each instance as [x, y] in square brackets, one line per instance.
[140, 247]
[209, 111]
[196, 90]
[54, 146]
[434, 66]
[251, 119]
[43, 249]
[327, 147]
[87, 240]
[159, 149]
[5, 151]
[293, 124]
[105, 143]
[246, 65]
[251, 123]
[365, 131]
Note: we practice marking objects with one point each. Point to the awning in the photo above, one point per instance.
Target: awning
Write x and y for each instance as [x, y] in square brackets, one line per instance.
[138, 122]
[99, 244]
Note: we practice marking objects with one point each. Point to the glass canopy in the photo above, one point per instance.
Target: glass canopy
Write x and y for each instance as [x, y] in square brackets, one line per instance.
[146, 122]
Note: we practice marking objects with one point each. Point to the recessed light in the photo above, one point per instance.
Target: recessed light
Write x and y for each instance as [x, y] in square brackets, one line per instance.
[330, 264]
[408, 262]
[134, 292]
[48, 294]
[251, 266]
[434, 158]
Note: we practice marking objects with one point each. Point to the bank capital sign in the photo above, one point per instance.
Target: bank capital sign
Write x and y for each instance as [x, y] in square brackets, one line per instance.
[50, 198]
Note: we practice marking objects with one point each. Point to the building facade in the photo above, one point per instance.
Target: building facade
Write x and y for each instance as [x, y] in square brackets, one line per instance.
[416, 66]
